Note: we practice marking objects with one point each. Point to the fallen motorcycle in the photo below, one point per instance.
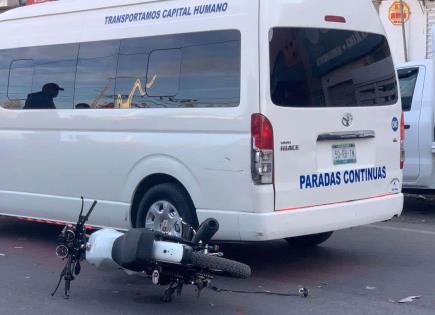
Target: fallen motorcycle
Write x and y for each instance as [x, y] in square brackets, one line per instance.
[168, 260]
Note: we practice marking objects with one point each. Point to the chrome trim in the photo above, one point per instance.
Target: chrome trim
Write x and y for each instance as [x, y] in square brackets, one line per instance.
[346, 135]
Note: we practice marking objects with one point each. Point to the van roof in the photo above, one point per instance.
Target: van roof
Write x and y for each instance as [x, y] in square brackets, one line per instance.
[58, 7]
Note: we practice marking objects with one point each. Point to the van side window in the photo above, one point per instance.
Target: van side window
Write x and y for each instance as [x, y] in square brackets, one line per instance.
[181, 70]
[407, 79]
[20, 79]
[4, 79]
[132, 68]
[210, 74]
[163, 74]
[96, 73]
[43, 77]
[56, 64]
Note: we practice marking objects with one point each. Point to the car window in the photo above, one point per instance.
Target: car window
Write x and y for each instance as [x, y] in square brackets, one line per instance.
[407, 80]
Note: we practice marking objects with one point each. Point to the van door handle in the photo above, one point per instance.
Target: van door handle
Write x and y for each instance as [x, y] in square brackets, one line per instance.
[347, 135]
[407, 127]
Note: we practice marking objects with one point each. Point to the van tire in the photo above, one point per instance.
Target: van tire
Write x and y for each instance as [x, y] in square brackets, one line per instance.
[172, 193]
[308, 241]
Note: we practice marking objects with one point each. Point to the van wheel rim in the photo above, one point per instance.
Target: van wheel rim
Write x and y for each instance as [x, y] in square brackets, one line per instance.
[162, 216]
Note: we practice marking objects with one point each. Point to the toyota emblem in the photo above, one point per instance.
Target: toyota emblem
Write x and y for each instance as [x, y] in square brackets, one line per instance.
[347, 120]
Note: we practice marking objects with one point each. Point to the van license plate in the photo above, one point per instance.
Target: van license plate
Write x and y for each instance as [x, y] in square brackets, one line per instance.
[343, 154]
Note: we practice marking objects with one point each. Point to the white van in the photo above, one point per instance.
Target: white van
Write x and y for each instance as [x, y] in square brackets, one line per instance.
[279, 118]
[417, 91]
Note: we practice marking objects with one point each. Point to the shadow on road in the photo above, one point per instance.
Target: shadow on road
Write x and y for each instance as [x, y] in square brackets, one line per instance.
[18, 229]
[414, 204]
[290, 264]
[418, 210]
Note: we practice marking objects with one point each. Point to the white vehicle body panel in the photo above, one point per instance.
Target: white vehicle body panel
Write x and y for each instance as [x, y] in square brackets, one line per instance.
[419, 122]
[49, 158]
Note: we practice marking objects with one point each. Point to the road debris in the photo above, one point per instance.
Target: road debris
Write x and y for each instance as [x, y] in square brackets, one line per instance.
[1, 254]
[370, 288]
[18, 247]
[410, 299]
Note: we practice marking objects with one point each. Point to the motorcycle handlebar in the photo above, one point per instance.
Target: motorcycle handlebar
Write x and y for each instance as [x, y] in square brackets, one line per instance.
[91, 209]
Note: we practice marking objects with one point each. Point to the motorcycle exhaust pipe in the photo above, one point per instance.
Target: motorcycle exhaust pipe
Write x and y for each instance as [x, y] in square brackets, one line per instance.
[206, 231]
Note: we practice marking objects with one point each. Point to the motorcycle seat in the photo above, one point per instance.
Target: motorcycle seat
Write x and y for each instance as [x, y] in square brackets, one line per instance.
[134, 250]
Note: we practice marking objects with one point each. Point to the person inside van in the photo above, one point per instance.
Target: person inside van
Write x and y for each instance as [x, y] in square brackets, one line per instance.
[83, 106]
[44, 98]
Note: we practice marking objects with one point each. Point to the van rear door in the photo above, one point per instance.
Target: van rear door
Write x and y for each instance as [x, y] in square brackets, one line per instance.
[332, 100]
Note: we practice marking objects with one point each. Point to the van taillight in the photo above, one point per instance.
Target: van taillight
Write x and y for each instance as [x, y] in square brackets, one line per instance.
[402, 141]
[262, 150]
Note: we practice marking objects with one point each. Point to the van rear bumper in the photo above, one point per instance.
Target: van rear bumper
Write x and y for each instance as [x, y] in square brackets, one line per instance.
[283, 224]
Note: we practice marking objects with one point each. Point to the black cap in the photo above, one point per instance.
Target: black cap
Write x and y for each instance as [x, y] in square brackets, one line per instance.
[52, 87]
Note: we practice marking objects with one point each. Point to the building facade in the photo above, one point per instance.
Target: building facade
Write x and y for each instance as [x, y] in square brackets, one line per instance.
[10, 4]
[413, 39]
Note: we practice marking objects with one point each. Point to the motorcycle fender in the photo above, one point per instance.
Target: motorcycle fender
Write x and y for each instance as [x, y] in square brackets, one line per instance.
[99, 249]
[168, 252]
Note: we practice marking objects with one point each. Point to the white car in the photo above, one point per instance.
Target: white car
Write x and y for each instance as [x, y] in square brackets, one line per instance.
[417, 91]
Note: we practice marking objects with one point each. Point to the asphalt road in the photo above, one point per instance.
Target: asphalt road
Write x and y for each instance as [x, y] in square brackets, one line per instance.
[364, 270]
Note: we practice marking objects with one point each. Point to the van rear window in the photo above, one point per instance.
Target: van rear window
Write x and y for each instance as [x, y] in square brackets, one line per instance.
[330, 68]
